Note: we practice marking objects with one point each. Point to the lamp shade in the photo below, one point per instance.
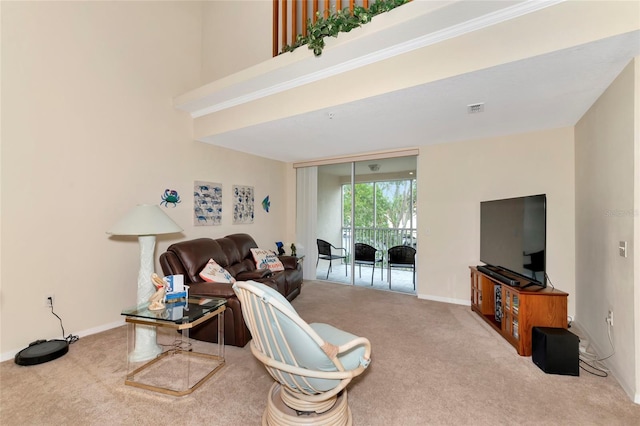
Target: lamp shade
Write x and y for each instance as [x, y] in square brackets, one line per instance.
[145, 219]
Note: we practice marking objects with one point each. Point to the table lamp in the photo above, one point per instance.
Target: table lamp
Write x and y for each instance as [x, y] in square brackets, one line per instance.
[145, 221]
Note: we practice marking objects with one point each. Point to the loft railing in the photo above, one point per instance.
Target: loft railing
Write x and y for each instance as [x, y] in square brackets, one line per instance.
[290, 17]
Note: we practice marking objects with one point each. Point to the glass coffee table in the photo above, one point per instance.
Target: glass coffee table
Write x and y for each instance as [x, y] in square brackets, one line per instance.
[183, 364]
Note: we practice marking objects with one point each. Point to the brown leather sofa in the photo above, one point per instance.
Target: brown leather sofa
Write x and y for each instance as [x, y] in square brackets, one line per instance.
[232, 253]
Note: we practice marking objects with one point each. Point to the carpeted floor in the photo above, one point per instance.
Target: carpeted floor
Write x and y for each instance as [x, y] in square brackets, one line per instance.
[433, 363]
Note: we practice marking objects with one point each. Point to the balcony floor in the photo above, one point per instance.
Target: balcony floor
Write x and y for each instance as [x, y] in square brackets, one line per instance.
[401, 280]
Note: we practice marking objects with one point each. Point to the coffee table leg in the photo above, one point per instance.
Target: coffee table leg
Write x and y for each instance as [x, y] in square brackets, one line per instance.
[185, 346]
[221, 335]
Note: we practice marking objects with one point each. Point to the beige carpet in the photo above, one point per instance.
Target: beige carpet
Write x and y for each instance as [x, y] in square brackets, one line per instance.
[433, 363]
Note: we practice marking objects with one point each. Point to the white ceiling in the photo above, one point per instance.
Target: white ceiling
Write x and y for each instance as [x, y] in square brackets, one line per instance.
[547, 91]
[543, 92]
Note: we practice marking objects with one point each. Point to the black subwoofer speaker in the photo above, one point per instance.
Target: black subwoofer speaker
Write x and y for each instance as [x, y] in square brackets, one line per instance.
[555, 350]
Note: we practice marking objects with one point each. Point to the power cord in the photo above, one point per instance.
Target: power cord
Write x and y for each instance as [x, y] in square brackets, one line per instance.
[598, 372]
[549, 279]
[586, 358]
[592, 361]
[70, 338]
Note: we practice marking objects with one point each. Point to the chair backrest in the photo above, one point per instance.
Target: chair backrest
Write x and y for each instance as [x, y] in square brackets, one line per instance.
[365, 252]
[284, 342]
[324, 247]
[403, 255]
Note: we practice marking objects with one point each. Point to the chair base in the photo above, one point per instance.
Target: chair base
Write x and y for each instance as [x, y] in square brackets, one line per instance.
[278, 413]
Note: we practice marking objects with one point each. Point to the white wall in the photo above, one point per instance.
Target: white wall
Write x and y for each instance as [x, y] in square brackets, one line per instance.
[88, 132]
[236, 35]
[452, 181]
[606, 213]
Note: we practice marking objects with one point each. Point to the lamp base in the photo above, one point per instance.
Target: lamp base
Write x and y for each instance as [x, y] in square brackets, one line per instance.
[146, 347]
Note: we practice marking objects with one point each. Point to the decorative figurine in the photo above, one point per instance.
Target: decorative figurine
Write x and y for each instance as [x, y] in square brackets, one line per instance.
[156, 301]
[280, 247]
[293, 249]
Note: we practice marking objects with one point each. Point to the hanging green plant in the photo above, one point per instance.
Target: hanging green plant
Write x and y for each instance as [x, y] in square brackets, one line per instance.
[341, 21]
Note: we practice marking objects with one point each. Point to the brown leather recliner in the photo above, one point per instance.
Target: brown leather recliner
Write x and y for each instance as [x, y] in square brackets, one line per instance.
[232, 253]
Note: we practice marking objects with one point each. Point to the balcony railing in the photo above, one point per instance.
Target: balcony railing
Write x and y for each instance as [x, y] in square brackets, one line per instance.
[381, 238]
[290, 17]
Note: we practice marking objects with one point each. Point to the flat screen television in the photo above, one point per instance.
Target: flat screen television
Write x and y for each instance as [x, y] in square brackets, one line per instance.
[513, 237]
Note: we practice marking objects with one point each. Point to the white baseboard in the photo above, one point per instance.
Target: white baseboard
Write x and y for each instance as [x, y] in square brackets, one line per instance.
[464, 302]
[12, 354]
[613, 371]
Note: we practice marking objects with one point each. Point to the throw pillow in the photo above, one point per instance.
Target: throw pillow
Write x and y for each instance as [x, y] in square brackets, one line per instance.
[214, 273]
[267, 259]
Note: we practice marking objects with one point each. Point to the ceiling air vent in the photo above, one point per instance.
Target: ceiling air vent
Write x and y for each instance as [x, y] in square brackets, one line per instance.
[475, 108]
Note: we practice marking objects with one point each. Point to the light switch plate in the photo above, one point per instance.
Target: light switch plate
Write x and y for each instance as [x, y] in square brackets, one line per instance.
[622, 248]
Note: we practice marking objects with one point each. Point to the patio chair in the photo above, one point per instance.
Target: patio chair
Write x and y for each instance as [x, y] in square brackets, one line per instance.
[365, 254]
[402, 257]
[312, 364]
[325, 253]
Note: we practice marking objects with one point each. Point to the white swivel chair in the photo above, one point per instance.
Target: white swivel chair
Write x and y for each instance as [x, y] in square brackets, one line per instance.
[311, 363]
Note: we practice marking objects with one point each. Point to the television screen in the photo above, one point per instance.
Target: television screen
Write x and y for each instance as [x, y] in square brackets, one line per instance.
[513, 235]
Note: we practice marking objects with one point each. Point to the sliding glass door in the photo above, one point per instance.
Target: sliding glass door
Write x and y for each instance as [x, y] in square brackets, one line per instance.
[334, 260]
[362, 210]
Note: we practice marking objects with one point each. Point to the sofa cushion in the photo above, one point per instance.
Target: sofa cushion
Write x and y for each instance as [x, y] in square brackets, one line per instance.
[247, 265]
[266, 259]
[230, 250]
[244, 243]
[195, 254]
[215, 273]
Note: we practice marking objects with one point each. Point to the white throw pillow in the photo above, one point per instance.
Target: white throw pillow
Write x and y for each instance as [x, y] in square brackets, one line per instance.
[215, 273]
[267, 259]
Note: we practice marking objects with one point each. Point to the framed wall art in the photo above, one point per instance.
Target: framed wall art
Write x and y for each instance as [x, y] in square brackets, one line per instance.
[207, 203]
[243, 204]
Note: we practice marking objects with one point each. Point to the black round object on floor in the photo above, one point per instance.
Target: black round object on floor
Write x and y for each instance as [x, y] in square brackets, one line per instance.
[42, 351]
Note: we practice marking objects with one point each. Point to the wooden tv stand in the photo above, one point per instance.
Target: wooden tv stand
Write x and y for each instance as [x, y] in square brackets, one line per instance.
[522, 308]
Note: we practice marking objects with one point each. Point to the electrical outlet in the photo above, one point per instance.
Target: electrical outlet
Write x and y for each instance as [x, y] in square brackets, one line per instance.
[610, 318]
[48, 300]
